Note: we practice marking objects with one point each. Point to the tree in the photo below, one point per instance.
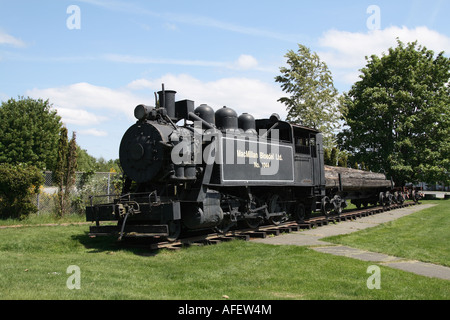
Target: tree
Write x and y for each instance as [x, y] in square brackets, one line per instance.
[64, 173]
[18, 183]
[107, 166]
[313, 97]
[343, 159]
[398, 115]
[334, 157]
[71, 166]
[29, 132]
[85, 162]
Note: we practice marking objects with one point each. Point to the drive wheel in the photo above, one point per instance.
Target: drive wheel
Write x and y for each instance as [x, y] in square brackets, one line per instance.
[382, 200]
[253, 223]
[276, 205]
[326, 206]
[256, 207]
[300, 212]
[337, 204]
[400, 198]
[225, 226]
[174, 230]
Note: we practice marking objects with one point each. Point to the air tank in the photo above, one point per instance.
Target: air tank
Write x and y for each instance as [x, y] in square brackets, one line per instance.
[247, 123]
[206, 113]
[226, 118]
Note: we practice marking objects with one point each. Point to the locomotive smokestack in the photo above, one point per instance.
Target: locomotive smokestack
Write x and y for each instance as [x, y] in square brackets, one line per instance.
[167, 101]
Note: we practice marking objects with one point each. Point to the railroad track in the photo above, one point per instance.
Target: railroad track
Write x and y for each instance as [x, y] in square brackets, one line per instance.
[267, 230]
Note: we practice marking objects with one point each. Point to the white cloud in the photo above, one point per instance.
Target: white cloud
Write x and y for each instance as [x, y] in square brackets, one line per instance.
[246, 62]
[3, 97]
[345, 52]
[149, 60]
[79, 116]
[170, 26]
[6, 39]
[93, 132]
[140, 84]
[96, 112]
[242, 94]
[223, 25]
[86, 104]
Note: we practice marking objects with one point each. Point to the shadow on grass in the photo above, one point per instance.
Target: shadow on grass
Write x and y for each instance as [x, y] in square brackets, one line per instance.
[97, 244]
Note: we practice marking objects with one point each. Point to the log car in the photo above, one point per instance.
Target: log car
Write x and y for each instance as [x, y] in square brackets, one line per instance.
[360, 187]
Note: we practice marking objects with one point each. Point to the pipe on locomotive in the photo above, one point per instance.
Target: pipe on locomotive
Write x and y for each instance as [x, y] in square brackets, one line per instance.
[167, 102]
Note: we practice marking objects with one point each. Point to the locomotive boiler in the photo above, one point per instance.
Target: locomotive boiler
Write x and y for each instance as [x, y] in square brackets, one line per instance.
[190, 168]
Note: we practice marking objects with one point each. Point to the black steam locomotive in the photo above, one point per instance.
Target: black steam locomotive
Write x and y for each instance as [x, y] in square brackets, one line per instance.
[190, 168]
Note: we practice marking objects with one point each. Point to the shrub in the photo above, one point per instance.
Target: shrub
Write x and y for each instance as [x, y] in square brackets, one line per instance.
[17, 185]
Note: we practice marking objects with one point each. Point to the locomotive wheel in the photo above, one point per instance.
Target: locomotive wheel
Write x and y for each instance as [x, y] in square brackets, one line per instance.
[415, 196]
[300, 212]
[337, 204]
[253, 223]
[388, 196]
[174, 230]
[395, 197]
[326, 206]
[275, 204]
[400, 198]
[224, 226]
[381, 199]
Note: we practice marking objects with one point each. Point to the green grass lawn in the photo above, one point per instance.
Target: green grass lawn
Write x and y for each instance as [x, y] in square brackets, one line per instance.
[424, 235]
[43, 218]
[34, 260]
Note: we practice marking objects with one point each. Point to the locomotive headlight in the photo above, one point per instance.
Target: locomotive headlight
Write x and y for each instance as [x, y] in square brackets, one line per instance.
[141, 111]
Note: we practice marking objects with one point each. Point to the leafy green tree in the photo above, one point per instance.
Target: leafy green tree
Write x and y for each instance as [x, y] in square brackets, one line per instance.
[107, 166]
[18, 183]
[88, 163]
[334, 157]
[398, 115]
[29, 132]
[343, 159]
[327, 156]
[312, 98]
[85, 162]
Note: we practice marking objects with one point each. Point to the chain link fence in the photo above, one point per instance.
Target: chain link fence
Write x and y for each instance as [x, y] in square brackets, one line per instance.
[86, 185]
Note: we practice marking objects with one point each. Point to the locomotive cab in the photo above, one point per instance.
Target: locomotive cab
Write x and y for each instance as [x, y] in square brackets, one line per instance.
[308, 157]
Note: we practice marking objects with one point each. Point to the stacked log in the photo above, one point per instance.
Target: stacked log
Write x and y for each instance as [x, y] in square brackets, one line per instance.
[354, 180]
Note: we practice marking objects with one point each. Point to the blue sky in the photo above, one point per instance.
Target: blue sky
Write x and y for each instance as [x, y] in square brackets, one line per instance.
[214, 52]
